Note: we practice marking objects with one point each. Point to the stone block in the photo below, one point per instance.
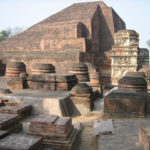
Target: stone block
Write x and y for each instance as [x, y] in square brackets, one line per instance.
[22, 110]
[9, 122]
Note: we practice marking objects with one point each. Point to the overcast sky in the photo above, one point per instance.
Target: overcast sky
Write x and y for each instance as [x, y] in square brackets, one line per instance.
[25, 13]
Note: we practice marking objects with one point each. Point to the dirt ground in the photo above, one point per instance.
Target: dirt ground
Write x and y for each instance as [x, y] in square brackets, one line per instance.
[88, 140]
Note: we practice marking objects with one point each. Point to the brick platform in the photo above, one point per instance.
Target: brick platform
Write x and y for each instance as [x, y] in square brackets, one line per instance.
[21, 109]
[57, 132]
[10, 122]
[46, 81]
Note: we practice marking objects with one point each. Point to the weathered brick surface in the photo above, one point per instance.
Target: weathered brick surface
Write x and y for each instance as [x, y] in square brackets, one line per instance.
[13, 69]
[125, 103]
[137, 83]
[62, 60]
[22, 110]
[46, 81]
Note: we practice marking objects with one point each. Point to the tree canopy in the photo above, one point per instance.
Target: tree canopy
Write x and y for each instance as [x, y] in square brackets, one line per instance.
[4, 34]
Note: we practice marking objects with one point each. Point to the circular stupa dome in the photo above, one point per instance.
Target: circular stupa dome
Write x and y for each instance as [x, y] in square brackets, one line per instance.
[81, 89]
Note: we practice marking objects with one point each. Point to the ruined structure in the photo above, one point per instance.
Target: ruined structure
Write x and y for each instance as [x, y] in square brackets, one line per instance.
[124, 54]
[131, 99]
[82, 32]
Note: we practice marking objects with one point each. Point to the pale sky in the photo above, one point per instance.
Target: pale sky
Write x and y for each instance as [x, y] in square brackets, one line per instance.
[25, 13]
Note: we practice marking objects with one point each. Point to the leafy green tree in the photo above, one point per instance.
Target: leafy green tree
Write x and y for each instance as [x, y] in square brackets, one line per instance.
[4, 34]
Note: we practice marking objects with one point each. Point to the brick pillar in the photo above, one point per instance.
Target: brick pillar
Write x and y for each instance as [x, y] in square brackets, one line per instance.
[124, 54]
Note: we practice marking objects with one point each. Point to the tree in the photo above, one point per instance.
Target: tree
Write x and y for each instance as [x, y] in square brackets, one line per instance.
[148, 43]
[4, 34]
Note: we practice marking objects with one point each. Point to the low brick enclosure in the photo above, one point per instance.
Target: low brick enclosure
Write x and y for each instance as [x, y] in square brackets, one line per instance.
[52, 82]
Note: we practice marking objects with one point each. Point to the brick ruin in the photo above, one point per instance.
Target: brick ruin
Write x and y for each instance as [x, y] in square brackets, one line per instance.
[84, 86]
[82, 32]
[77, 50]
[49, 131]
[126, 56]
